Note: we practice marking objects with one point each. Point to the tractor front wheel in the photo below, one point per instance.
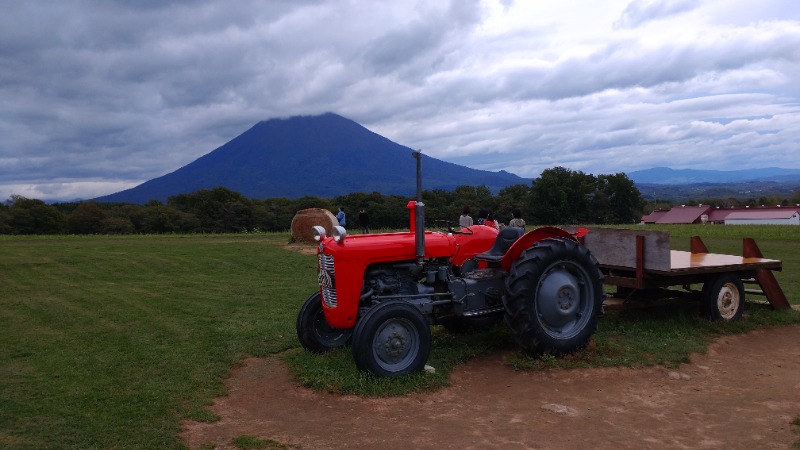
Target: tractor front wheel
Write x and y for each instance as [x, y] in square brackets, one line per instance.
[314, 332]
[392, 339]
[554, 297]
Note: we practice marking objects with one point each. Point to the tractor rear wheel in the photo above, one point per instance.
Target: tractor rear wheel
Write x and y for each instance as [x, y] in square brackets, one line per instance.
[313, 330]
[554, 297]
[392, 339]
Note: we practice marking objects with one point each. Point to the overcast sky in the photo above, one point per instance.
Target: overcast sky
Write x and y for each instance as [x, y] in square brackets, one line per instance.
[99, 96]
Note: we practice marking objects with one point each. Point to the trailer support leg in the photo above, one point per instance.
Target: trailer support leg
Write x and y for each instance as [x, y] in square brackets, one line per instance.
[766, 279]
[696, 245]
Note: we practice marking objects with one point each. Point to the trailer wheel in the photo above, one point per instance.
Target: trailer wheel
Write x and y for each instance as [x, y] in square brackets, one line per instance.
[313, 330]
[554, 297]
[723, 298]
[392, 339]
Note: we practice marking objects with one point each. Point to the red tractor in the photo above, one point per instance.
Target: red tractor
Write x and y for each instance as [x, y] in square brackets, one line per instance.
[382, 292]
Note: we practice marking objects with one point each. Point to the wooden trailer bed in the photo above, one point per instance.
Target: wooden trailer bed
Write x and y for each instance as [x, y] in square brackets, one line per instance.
[688, 262]
[641, 260]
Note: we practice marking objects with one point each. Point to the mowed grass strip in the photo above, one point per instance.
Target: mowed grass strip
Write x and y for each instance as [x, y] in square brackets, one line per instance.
[107, 342]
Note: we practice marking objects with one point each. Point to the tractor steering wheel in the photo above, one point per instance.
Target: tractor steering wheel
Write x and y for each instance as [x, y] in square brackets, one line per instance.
[446, 225]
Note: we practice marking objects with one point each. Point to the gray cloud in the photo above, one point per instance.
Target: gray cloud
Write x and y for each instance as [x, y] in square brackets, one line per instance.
[99, 96]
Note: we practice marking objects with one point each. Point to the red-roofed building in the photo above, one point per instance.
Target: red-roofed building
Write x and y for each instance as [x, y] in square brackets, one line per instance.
[718, 215]
[764, 216]
[654, 216]
[685, 214]
[778, 215]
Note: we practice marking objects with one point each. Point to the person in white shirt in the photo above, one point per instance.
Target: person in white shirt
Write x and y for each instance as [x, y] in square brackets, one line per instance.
[465, 220]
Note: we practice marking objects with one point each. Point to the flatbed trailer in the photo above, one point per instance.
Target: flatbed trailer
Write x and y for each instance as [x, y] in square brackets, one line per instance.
[641, 265]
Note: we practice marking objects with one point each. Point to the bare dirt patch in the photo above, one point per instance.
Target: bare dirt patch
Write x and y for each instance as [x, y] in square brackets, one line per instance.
[301, 248]
[743, 393]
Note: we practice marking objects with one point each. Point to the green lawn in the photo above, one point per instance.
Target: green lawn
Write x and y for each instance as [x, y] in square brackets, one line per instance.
[108, 342]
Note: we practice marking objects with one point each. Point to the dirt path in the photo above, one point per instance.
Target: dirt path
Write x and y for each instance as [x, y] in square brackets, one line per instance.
[743, 393]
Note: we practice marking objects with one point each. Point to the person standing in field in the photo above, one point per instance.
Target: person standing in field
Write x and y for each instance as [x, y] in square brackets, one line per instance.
[465, 220]
[363, 221]
[341, 217]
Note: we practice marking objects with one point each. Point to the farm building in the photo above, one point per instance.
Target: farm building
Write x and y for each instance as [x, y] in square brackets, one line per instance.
[679, 214]
[779, 215]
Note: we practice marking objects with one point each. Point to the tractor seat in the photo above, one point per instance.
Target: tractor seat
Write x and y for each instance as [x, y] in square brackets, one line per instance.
[502, 243]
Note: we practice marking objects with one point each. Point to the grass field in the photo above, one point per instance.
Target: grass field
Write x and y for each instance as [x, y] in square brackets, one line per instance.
[108, 342]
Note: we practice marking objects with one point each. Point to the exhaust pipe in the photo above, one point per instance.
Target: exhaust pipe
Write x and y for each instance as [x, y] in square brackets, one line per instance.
[419, 213]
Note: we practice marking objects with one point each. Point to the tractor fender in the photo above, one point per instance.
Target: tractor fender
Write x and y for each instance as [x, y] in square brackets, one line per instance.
[534, 236]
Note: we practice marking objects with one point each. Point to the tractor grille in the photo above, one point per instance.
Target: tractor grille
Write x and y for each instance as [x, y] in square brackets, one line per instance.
[327, 280]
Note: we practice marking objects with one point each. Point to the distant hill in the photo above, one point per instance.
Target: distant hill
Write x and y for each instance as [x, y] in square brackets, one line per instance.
[685, 185]
[325, 155]
[665, 175]
[704, 191]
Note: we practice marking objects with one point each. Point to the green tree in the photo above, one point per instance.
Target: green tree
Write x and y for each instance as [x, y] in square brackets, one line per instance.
[5, 218]
[218, 210]
[768, 201]
[275, 214]
[517, 196]
[440, 206]
[118, 225]
[562, 196]
[158, 218]
[351, 203]
[388, 211]
[30, 216]
[476, 197]
[795, 200]
[86, 218]
[551, 195]
[121, 217]
[622, 202]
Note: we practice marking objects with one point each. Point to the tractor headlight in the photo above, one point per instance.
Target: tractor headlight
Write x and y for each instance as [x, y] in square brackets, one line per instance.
[319, 233]
[339, 233]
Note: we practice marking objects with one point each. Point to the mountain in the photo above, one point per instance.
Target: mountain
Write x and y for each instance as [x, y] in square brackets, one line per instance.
[665, 175]
[325, 155]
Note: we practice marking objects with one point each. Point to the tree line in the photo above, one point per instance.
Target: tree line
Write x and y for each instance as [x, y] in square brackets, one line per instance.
[558, 196]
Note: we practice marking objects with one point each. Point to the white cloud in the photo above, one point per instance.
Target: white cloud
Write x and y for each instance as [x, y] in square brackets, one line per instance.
[69, 190]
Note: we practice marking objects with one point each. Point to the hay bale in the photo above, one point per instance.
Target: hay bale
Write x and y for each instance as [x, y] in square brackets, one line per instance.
[306, 218]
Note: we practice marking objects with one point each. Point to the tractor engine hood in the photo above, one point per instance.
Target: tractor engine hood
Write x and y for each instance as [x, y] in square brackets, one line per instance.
[371, 248]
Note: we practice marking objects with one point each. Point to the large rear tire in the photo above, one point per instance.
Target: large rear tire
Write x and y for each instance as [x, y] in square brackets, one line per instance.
[554, 297]
[314, 332]
[392, 339]
[723, 298]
